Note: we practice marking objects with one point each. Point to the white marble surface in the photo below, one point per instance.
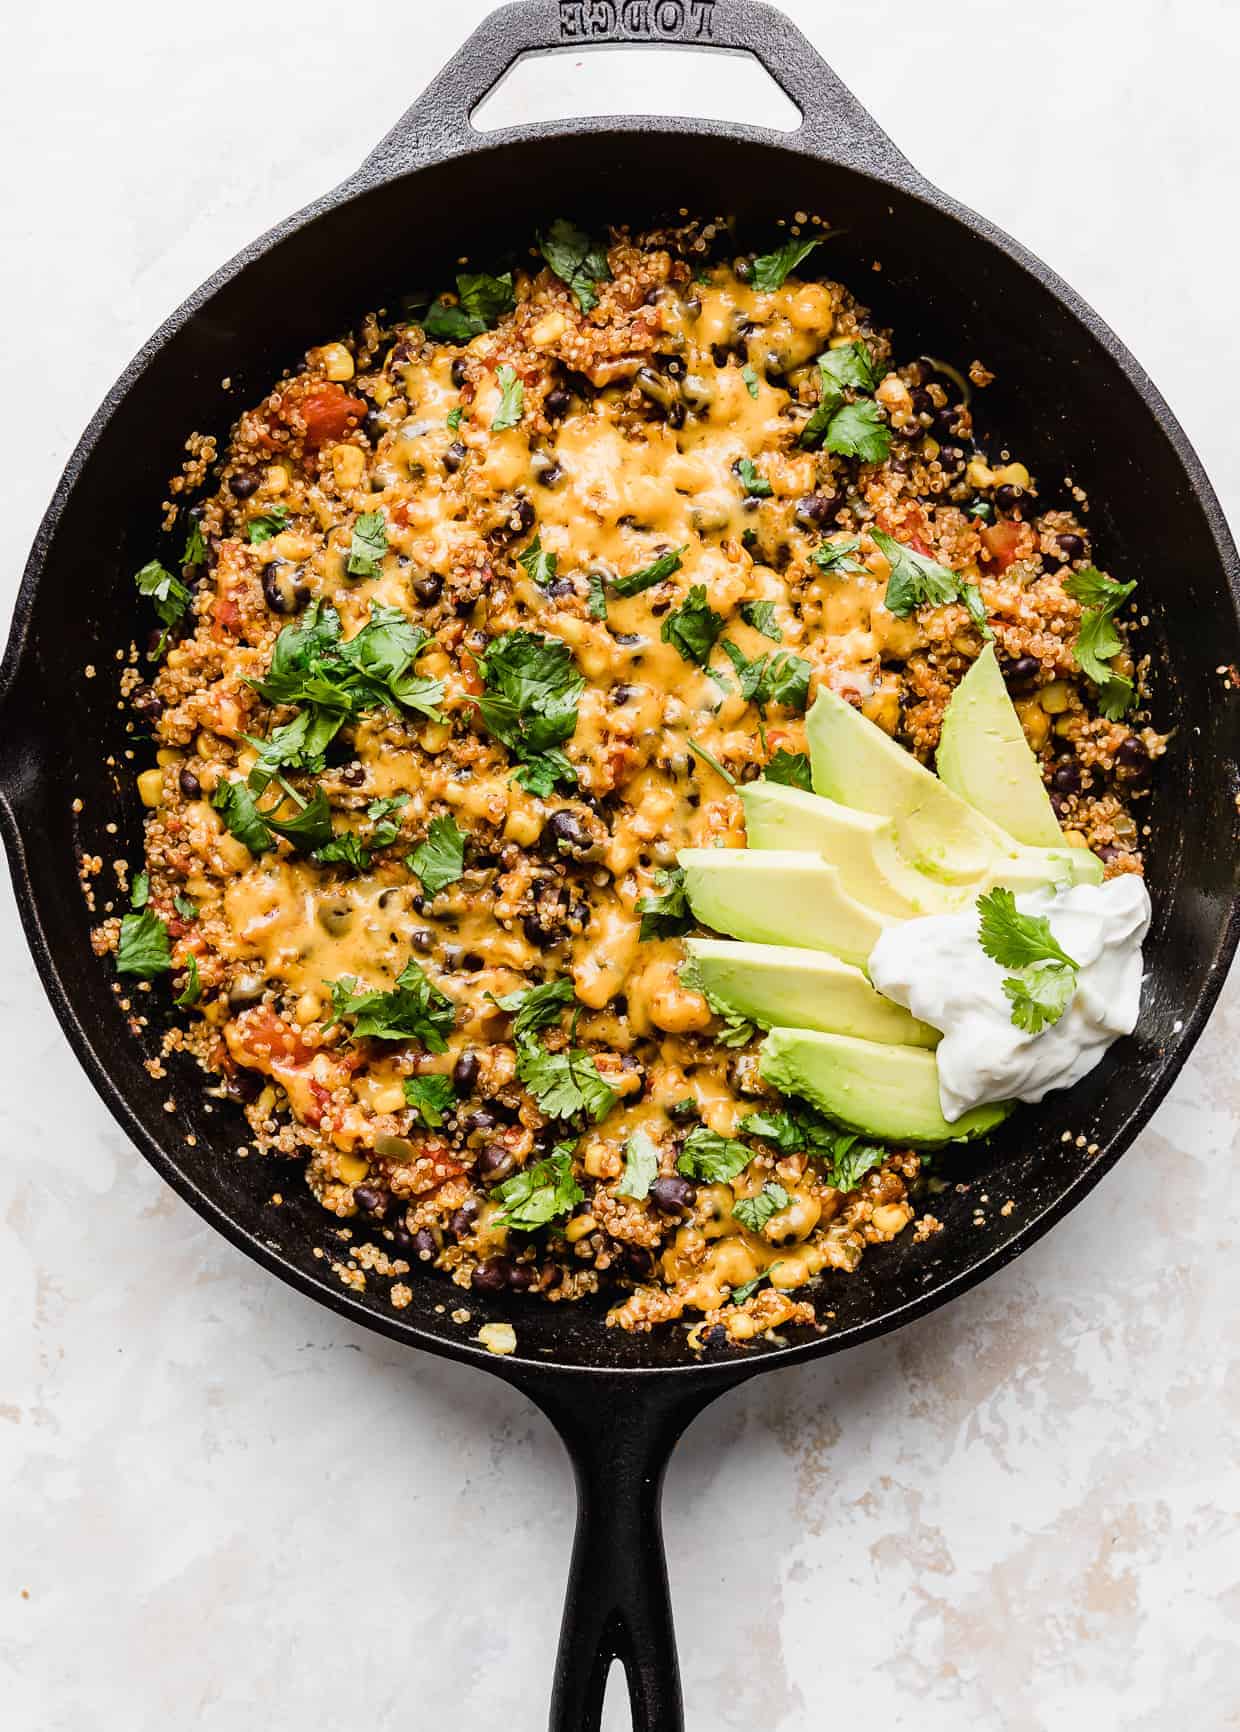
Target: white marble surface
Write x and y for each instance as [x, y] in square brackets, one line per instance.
[230, 1510]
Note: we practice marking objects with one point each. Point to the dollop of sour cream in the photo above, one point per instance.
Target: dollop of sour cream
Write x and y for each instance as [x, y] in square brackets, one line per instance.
[936, 968]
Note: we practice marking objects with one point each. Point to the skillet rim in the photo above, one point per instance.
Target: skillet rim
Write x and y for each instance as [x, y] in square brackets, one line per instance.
[708, 1376]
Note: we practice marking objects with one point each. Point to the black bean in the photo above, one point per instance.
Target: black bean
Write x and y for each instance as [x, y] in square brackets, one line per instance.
[557, 403]
[550, 475]
[462, 1223]
[1132, 756]
[241, 486]
[714, 1338]
[945, 419]
[638, 1262]
[1066, 778]
[372, 427]
[559, 587]
[465, 1071]
[523, 512]
[1107, 853]
[244, 1085]
[370, 1198]
[495, 1163]
[674, 1195]
[520, 1277]
[428, 589]
[951, 457]
[542, 937]
[146, 701]
[450, 955]
[1071, 546]
[454, 456]
[189, 784]
[1009, 498]
[1024, 668]
[459, 372]
[655, 387]
[471, 962]
[423, 1245]
[481, 1119]
[283, 588]
[743, 268]
[424, 940]
[621, 695]
[816, 509]
[492, 1276]
[353, 775]
[923, 402]
[566, 834]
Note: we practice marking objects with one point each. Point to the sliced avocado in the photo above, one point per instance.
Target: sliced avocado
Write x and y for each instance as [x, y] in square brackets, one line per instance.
[984, 757]
[872, 865]
[773, 984]
[782, 817]
[853, 761]
[778, 898]
[889, 1092]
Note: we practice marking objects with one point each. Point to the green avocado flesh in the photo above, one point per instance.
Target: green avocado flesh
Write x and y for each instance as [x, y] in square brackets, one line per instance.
[872, 865]
[779, 898]
[984, 757]
[772, 983]
[889, 1092]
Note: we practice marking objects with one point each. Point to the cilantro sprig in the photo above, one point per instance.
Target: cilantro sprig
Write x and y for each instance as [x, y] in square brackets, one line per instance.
[772, 270]
[431, 1097]
[170, 596]
[481, 303]
[849, 429]
[755, 1212]
[530, 704]
[790, 768]
[511, 400]
[415, 1009]
[916, 579]
[539, 1193]
[1098, 642]
[713, 1159]
[780, 678]
[1044, 979]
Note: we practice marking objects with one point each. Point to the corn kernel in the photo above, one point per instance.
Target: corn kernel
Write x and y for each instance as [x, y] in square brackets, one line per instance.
[381, 392]
[309, 1008]
[578, 1227]
[1055, 698]
[979, 473]
[151, 788]
[1012, 475]
[337, 362]
[348, 465]
[352, 1168]
[388, 1099]
[276, 479]
[548, 330]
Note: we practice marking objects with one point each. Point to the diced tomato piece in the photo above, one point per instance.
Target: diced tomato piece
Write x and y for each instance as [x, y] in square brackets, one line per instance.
[266, 1035]
[326, 414]
[1001, 541]
[226, 614]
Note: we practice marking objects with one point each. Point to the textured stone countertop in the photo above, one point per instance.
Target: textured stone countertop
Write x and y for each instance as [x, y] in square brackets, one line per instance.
[220, 1507]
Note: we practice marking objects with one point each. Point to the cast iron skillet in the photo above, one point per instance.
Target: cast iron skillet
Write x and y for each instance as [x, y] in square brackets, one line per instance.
[1069, 398]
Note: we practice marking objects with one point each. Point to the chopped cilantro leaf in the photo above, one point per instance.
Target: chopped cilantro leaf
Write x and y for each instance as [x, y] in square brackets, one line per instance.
[790, 768]
[761, 616]
[597, 607]
[755, 1212]
[578, 261]
[781, 678]
[693, 627]
[481, 302]
[431, 1097]
[368, 546]
[539, 566]
[751, 379]
[837, 555]
[191, 992]
[918, 580]
[752, 480]
[454, 418]
[664, 566]
[531, 696]
[143, 948]
[267, 524]
[140, 890]
[536, 1007]
[414, 1010]
[168, 593]
[1098, 642]
[564, 1083]
[511, 402]
[712, 1158]
[539, 1193]
[858, 430]
[771, 270]
[641, 1166]
[195, 546]
[440, 860]
[667, 914]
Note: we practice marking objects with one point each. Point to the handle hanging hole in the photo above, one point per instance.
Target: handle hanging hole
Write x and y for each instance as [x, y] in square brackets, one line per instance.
[564, 84]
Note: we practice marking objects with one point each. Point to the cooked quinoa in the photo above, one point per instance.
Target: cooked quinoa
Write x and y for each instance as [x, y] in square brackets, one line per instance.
[477, 611]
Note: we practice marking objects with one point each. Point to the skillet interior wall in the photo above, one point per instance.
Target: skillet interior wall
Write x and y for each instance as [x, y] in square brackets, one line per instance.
[1060, 403]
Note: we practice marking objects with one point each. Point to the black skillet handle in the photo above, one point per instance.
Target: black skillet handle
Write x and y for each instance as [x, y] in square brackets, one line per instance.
[834, 124]
[619, 1436]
